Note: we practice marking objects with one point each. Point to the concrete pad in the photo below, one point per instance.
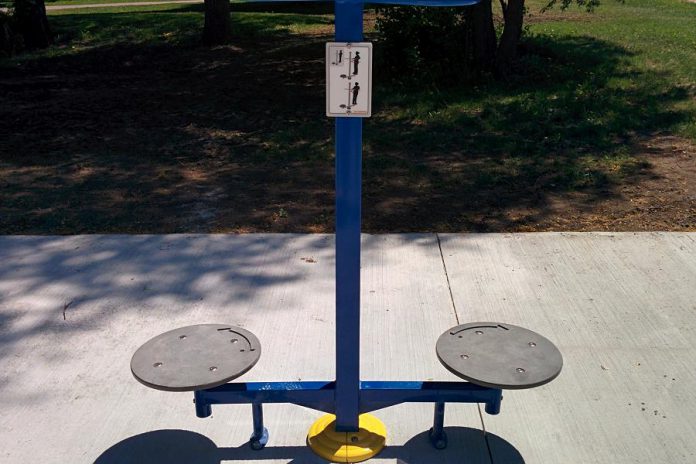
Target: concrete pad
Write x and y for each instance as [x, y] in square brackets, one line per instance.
[622, 310]
[406, 305]
[67, 391]
[74, 309]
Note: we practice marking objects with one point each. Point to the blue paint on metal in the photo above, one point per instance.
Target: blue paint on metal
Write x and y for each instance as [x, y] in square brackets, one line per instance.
[349, 28]
[439, 418]
[321, 396]
[437, 435]
[493, 406]
[259, 438]
[379, 395]
[314, 395]
[203, 408]
[257, 414]
[348, 397]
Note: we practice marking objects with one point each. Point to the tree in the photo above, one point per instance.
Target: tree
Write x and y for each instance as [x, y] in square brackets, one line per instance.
[452, 43]
[32, 23]
[483, 34]
[217, 26]
[513, 17]
[7, 44]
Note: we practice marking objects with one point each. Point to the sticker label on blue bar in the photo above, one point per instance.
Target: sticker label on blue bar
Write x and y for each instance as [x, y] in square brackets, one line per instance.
[348, 80]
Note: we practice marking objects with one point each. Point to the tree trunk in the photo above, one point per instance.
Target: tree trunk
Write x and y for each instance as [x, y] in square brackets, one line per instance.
[507, 48]
[6, 35]
[217, 26]
[32, 23]
[484, 40]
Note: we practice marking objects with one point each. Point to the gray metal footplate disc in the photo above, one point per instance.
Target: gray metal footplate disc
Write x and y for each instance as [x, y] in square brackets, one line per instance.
[195, 357]
[498, 355]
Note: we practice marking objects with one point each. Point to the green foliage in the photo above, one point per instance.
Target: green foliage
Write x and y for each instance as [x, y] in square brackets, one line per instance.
[421, 44]
[437, 44]
[589, 5]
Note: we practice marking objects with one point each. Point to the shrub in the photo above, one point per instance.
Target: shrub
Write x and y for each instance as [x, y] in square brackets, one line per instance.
[420, 44]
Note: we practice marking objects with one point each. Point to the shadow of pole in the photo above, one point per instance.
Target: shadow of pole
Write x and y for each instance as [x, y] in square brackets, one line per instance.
[185, 447]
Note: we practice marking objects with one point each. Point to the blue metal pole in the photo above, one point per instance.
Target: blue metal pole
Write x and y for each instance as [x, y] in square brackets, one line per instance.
[437, 434]
[439, 417]
[203, 408]
[259, 439]
[257, 415]
[349, 28]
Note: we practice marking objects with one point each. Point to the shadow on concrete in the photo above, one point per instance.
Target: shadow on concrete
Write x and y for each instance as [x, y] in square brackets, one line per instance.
[184, 447]
[55, 288]
[55, 291]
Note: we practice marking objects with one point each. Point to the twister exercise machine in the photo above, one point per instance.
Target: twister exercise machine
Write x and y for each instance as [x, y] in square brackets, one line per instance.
[490, 356]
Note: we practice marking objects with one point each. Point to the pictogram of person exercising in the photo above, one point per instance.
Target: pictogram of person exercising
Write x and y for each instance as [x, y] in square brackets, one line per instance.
[356, 61]
[356, 91]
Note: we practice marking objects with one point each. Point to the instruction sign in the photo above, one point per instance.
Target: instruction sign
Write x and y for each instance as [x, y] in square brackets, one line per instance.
[349, 79]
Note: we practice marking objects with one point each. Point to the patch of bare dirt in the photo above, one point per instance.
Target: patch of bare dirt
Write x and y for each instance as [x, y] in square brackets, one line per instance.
[660, 197]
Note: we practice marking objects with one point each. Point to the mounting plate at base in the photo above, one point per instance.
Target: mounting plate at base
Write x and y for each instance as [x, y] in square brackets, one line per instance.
[358, 446]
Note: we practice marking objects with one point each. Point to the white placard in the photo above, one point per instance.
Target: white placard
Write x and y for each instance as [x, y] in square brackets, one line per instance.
[349, 79]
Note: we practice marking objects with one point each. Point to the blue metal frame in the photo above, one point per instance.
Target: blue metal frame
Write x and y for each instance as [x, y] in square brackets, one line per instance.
[349, 28]
[347, 396]
[323, 396]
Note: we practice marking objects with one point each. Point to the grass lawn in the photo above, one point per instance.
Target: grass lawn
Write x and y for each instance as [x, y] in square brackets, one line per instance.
[658, 41]
[127, 124]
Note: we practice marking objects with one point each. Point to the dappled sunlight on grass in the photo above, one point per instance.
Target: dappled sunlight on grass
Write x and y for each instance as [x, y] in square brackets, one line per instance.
[128, 124]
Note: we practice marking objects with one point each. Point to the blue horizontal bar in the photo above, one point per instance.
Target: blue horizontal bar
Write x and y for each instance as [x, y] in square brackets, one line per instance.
[373, 395]
[282, 1]
[313, 395]
[380, 2]
[379, 395]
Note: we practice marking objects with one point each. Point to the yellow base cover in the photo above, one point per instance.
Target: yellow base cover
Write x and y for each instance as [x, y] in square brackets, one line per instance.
[347, 446]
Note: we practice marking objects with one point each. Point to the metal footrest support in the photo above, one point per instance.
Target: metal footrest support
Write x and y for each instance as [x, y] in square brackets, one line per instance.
[260, 436]
[437, 434]
[321, 396]
[373, 395]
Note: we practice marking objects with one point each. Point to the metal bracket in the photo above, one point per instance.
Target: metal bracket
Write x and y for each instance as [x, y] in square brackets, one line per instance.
[372, 396]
